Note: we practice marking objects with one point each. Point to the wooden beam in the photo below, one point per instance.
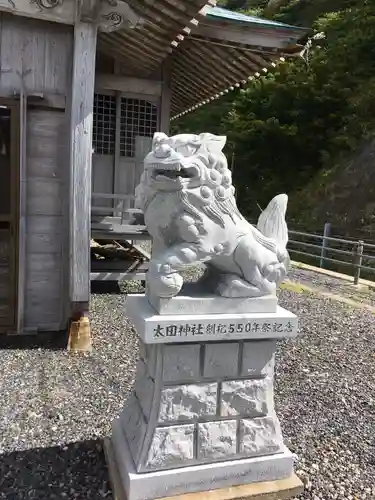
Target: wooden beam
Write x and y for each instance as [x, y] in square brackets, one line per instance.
[81, 143]
[154, 15]
[166, 95]
[169, 11]
[88, 10]
[235, 61]
[181, 101]
[81, 119]
[131, 50]
[250, 35]
[22, 208]
[193, 90]
[38, 99]
[260, 61]
[114, 15]
[48, 10]
[139, 44]
[240, 56]
[117, 155]
[108, 47]
[128, 84]
[191, 63]
[220, 62]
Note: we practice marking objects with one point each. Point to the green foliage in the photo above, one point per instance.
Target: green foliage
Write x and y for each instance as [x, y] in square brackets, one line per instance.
[253, 7]
[291, 124]
[211, 117]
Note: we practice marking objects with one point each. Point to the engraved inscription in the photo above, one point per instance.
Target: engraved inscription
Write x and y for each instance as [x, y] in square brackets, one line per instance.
[220, 330]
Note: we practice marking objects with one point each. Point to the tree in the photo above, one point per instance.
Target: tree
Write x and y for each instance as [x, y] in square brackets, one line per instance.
[288, 126]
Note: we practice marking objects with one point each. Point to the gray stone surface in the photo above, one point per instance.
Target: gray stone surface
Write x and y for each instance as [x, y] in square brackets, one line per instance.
[133, 424]
[195, 219]
[258, 358]
[195, 478]
[246, 397]
[196, 407]
[163, 329]
[221, 360]
[144, 390]
[143, 352]
[260, 436]
[171, 447]
[217, 440]
[194, 299]
[187, 402]
[181, 362]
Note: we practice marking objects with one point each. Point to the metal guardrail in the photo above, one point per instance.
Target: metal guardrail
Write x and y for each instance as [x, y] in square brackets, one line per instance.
[325, 249]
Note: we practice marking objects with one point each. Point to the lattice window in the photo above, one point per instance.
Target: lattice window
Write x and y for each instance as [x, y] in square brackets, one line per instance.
[104, 126]
[138, 118]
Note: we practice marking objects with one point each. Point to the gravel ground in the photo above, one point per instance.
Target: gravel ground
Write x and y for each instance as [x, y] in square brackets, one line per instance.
[56, 407]
[361, 293]
[325, 397]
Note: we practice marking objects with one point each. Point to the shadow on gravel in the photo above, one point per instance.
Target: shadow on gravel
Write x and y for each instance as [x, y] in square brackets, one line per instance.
[115, 288]
[105, 287]
[52, 341]
[75, 471]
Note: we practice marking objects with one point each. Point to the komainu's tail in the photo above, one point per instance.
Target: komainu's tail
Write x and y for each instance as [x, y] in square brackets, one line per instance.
[271, 222]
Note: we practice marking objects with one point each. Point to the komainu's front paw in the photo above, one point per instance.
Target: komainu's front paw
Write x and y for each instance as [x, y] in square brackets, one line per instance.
[232, 286]
[165, 286]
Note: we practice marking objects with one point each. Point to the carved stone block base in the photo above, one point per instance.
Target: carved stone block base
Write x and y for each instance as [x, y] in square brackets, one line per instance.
[201, 415]
[158, 484]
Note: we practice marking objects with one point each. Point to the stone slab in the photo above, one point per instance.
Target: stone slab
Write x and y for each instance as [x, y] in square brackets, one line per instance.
[154, 328]
[281, 489]
[196, 478]
[221, 360]
[193, 299]
[187, 402]
[181, 362]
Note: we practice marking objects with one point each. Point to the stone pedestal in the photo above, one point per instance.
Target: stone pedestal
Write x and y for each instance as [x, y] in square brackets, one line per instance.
[201, 415]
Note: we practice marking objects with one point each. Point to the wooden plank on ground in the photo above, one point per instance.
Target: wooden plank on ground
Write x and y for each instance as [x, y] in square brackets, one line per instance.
[117, 276]
[118, 266]
[127, 233]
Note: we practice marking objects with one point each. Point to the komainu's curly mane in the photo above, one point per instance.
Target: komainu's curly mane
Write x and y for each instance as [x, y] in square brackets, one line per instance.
[190, 210]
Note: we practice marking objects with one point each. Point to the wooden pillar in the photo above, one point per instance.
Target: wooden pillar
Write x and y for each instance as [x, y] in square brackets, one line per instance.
[81, 119]
[166, 94]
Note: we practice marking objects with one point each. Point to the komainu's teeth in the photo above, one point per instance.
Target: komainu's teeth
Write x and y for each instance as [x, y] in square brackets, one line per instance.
[166, 166]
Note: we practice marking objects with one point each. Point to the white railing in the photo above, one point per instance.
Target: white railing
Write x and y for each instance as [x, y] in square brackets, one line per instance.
[120, 212]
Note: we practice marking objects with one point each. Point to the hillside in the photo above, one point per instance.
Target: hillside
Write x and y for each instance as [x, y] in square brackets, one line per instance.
[307, 129]
[344, 196]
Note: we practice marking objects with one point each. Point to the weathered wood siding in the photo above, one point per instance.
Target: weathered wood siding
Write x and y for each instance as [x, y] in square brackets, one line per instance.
[42, 51]
[46, 219]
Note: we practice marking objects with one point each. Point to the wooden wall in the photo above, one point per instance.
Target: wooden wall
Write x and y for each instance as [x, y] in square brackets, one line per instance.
[46, 219]
[42, 51]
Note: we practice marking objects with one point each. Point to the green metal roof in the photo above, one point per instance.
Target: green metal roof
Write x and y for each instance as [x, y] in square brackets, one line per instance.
[218, 13]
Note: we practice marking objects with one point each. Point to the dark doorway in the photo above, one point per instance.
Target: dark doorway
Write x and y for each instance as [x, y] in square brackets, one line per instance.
[9, 189]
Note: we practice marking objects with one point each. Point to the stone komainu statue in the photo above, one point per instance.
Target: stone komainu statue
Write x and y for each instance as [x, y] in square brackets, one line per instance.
[187, 198]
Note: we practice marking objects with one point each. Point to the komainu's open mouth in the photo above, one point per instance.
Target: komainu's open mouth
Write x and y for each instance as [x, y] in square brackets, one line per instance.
[171, 171]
